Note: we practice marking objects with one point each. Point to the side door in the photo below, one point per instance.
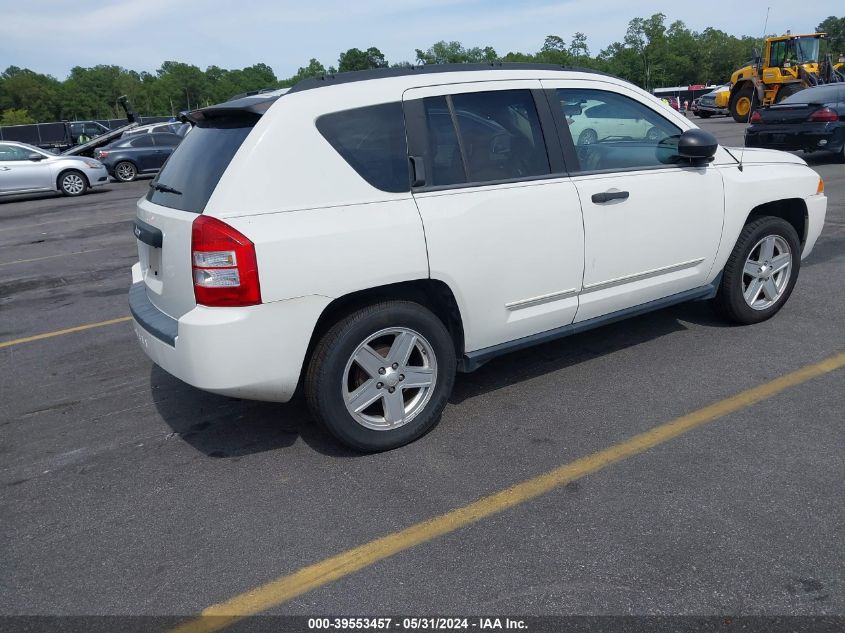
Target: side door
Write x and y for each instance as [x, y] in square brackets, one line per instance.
[143, 150]
[18, 173]
[164, 144]
[502, 219]
[652, 222]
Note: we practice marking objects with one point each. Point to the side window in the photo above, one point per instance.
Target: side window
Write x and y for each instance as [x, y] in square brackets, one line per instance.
[612, 132]
[372, 140]
[446, 163]
[778, 53]
[13, 152]
[166, 140]
[142, 140]
[500, 135]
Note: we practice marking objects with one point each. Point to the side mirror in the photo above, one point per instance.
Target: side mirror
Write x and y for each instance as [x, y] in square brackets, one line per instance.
[35, 157]
[697, 146]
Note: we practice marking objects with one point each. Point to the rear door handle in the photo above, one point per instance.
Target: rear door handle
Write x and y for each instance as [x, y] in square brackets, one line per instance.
[417, 171]
[607, 196]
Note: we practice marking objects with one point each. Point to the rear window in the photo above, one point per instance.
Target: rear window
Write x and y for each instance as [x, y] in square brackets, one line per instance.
[197, 164]
[372, 141]
[821, 94]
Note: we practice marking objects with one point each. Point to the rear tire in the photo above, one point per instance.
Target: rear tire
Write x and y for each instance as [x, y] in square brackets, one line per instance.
[354, 381]
[125, 171]
[72, 183]
[741, 104]
[756, 283]
[787, 91]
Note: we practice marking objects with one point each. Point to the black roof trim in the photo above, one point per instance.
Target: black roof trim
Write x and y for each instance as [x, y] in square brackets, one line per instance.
[383, 73]
[257, 103]
[252, 93]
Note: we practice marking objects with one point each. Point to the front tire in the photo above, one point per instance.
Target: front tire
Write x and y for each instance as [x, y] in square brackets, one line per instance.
[380, 377]
[73, 183]
[761, 271]
[588, 137]
[741, 104]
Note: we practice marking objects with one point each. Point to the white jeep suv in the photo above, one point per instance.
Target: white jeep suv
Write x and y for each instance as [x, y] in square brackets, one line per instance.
[367, 234]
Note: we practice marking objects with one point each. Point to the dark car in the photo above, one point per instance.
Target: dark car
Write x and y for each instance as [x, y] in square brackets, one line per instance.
[128, 157]
[811, 120]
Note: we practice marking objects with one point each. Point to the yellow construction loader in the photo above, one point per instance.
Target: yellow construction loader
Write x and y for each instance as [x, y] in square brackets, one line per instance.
[789, 63]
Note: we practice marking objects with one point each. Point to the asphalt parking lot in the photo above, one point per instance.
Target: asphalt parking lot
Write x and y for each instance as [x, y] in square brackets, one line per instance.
[125, 491]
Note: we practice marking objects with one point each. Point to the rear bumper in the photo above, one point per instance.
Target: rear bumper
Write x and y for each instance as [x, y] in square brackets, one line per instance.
[811, 137]
[255, 352]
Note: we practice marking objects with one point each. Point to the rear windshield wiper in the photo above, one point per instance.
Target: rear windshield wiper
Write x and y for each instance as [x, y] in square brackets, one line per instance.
[164, 188]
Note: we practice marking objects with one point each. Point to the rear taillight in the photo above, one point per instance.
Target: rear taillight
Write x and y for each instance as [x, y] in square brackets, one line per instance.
[824, 115]
[224, 266]
[100, 154]
[756, 117]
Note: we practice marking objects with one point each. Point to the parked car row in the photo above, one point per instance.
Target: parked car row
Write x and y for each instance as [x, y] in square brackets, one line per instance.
[29, 169]
[26, 169]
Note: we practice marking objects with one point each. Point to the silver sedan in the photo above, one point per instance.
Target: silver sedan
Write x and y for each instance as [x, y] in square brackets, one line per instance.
[28, 169]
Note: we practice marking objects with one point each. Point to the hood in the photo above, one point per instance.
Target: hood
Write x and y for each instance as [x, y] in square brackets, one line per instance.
[760, 156]
[717, 91]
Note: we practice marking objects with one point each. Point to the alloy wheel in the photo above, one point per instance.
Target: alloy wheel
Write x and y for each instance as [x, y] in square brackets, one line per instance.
[766, 273]
[73, 184]
[125, 171]
[389, 378]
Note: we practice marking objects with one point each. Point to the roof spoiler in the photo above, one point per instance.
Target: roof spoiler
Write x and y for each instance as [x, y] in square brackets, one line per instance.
[254, 105]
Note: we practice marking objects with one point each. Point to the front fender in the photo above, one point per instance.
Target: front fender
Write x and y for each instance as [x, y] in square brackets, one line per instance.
[760, 183]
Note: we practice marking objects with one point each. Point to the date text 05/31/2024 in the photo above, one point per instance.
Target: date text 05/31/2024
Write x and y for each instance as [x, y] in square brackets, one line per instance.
[417, 624]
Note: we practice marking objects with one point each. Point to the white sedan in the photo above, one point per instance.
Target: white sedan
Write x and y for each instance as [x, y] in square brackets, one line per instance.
[594, 121]
[29, 169]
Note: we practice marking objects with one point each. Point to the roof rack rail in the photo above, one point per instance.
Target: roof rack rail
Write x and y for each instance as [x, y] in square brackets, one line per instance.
[404, 71]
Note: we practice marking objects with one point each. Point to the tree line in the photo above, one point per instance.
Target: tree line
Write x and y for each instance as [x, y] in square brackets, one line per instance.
[651, 54]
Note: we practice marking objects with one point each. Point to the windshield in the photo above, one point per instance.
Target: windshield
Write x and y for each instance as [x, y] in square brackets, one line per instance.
[807, 49]
[198, 163]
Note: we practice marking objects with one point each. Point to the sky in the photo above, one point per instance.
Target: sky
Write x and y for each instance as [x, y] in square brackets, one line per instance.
[52, 36]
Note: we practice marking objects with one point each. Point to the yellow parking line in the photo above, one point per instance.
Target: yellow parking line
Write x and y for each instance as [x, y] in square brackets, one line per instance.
[290, 586]
[70, 330]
